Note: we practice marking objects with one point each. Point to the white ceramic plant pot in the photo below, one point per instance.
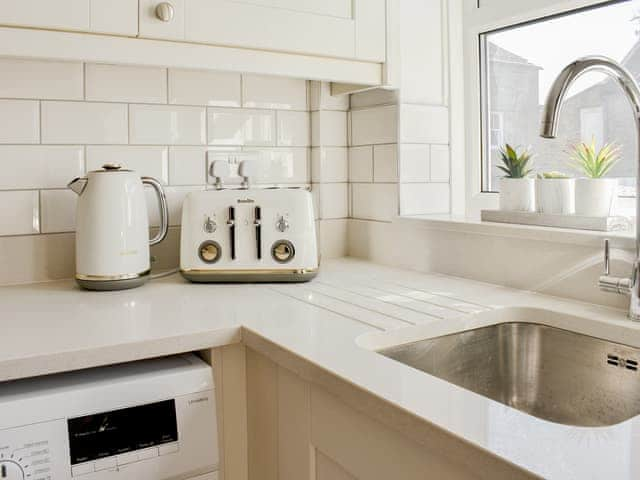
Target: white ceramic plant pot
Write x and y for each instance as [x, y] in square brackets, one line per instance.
[595, 196]
[517, 194]
[555, 195]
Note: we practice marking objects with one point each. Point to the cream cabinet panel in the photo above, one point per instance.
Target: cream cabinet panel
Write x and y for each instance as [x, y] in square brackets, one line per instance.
[118, 17]
[350, 29]
[327, 469]
[51, 14]
[153, 27]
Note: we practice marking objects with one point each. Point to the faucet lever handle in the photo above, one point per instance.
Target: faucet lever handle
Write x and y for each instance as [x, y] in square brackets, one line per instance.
[607, 257]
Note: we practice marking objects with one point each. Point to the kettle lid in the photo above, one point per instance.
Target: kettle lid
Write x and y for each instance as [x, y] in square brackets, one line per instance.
[111, 167]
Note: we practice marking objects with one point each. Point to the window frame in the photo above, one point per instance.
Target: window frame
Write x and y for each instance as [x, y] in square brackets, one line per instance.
[478, 20]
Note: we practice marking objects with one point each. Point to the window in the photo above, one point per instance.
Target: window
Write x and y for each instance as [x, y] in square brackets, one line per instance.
[519, 64]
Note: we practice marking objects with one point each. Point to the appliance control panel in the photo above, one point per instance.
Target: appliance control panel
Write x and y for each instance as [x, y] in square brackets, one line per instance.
[96, 425]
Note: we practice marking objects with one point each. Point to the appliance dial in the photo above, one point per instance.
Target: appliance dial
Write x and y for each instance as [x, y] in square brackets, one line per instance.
[283, 251]
[209, 252]
[210, 225]
[282, 225]
[10, 470]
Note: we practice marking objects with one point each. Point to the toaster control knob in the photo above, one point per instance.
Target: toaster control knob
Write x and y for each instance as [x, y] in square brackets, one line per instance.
[11, 471]
[209, 252]
[209, 225]
[282, 225]
[283, 251]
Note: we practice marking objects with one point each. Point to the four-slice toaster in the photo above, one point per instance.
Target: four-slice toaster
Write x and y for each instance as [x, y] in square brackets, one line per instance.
[248, 235]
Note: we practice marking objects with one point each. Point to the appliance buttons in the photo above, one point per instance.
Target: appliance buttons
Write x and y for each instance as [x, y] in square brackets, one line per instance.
[168, 448]
[82, 469]
[209, 225]
[209, 251]
[283, 251]
[282, 225]
[148, 453]
[105, 463]
[127, 458]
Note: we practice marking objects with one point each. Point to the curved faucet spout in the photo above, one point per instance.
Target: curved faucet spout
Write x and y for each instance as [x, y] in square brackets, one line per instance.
[564, 81]
[549, 129]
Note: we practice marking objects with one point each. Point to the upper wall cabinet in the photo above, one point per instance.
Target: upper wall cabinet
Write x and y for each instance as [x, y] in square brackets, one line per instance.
[100, 16]
[352, 29]
[342, 41]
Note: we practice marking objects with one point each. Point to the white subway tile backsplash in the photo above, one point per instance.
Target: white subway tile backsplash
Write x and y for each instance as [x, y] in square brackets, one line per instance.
[385, 163]
[175, 197]
[39, 166]
[414, 163]
[84, 123]
[229, 126]
[374, 201]
[424, 198]
[147, 161]
[440, 163]
[198, 87]
[329, 164]
[127, 84]
[373, 126]
[329, 129]
[320, 98]
[334, 200]
[260, 91]
[333, 237]
[19, 121]
[424, 124]
[283, 165]
[19, 212]
[58, 212]
[293, 129]
[166, 125]
[187, 165]
[361, 164]
[40, 79]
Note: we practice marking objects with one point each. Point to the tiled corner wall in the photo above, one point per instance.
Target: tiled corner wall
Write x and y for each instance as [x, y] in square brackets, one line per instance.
[330, 167]
[60, 120]
[399, 142]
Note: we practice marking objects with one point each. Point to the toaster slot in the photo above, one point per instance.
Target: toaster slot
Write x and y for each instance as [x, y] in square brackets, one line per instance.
[232, 231]
[258, 224]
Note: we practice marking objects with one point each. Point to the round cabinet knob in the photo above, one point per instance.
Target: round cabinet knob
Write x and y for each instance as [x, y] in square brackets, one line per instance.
[283, 251]
[165, 12]
[11, 471]
[210, 225]
[209, 252]
[282, 225]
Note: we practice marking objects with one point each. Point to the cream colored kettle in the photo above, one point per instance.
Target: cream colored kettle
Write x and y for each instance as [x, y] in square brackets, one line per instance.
[112, 228]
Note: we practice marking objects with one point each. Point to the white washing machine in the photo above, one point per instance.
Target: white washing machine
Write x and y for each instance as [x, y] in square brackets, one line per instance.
[147, 420]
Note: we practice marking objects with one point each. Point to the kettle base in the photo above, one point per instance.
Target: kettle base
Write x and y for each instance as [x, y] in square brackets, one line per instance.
[110, 285]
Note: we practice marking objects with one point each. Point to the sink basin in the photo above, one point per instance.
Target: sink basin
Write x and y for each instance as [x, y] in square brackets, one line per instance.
[550, 373]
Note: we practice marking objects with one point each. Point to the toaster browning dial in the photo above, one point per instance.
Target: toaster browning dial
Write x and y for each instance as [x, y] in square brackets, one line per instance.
[283, 251]
[209, 251]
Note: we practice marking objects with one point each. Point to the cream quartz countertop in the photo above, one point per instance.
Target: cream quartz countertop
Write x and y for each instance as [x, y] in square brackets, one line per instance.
[332, 322]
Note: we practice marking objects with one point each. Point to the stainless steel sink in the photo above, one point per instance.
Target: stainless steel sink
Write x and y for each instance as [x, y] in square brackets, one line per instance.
[553, 374]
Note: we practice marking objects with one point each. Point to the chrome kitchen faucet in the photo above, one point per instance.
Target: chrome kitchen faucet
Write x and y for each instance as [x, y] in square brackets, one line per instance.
[550, 119]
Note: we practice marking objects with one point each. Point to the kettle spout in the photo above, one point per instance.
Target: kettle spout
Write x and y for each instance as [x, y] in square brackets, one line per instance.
[78, 185]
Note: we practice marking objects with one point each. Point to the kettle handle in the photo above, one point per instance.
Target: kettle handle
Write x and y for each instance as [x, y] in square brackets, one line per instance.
[164, 211]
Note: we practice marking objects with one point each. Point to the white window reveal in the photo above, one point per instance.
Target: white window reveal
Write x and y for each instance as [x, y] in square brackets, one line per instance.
[519, 54]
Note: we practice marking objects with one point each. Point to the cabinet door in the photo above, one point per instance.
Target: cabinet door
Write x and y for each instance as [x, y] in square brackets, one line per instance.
[53, 14]
[354, 29]
[118, 17]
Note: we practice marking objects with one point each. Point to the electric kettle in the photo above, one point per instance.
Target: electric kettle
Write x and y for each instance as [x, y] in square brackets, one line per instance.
[112, 228]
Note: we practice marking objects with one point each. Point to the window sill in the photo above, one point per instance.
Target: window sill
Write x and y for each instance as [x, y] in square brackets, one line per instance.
[454, 223]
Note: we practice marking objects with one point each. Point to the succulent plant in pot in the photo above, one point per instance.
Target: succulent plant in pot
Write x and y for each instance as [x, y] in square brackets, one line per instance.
[555, 193]
[595, 194]
[517, 190]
